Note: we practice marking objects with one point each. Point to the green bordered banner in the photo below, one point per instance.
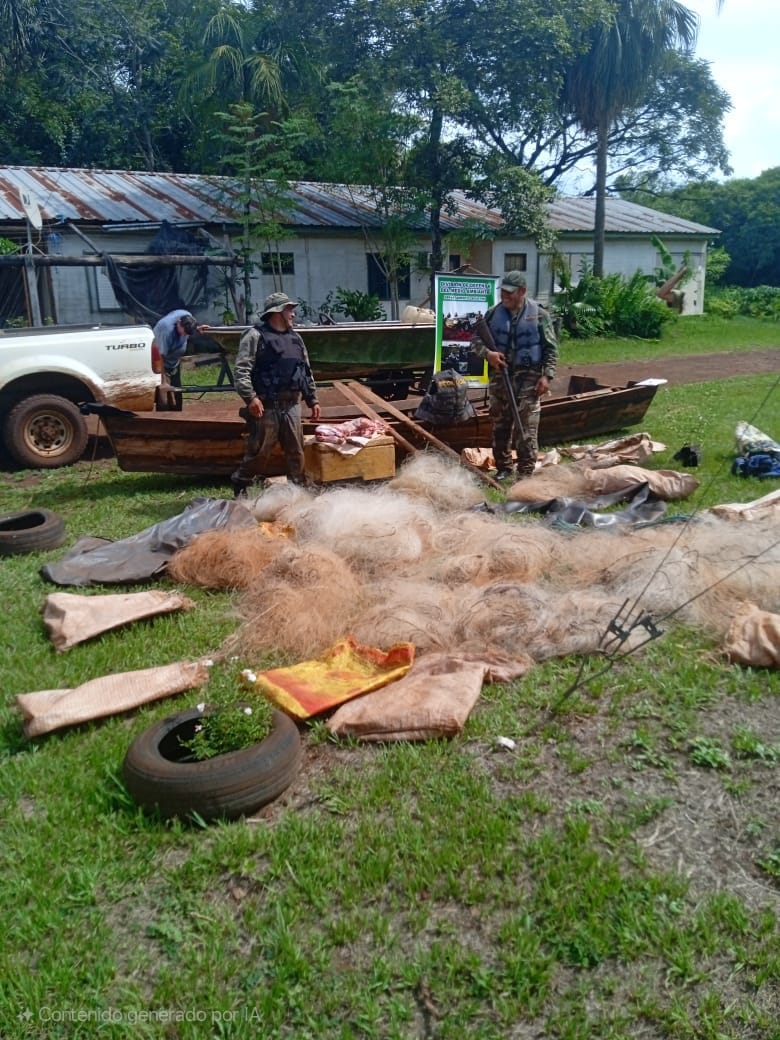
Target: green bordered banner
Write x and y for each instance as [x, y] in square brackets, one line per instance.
[460, 300]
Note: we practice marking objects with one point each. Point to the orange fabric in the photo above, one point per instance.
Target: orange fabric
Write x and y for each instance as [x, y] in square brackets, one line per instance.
[346, 670]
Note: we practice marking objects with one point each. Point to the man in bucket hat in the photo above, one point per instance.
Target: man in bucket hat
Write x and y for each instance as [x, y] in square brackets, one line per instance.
[272, 374]
[525, 344]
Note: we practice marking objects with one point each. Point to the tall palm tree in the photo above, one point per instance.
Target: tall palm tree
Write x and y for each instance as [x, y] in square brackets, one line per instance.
[611, 75]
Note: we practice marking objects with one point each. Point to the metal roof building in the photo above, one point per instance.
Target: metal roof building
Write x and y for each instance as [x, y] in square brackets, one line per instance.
[70, 220]
[132, 198]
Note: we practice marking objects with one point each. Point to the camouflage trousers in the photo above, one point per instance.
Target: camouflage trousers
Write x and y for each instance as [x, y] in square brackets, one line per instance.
[280, 424]
[505, 433]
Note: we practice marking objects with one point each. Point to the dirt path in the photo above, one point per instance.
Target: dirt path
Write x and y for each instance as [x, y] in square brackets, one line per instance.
[692, 368]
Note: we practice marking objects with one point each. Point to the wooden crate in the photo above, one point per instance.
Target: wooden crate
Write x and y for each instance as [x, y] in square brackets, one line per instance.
[376, 461]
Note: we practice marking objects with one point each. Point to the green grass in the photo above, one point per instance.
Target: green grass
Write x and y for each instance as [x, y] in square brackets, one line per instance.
[444, 890]
[695, 334]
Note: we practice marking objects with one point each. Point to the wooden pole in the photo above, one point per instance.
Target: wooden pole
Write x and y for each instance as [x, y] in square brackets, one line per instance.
[131, 260]
[370, 396]
[369, 412]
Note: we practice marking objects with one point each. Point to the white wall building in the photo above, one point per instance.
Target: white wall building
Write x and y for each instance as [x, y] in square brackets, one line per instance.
[334, 233]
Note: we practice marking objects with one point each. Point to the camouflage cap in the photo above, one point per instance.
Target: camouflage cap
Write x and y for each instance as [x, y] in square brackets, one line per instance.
[513, 280]
[276, 302]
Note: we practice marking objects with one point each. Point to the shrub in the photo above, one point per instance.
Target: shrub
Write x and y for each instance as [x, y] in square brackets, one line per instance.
[761, 301]
[357, 305]
[611, 305]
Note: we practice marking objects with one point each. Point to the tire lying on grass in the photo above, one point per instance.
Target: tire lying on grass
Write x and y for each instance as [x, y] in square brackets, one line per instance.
[30, 531]
[226, 786]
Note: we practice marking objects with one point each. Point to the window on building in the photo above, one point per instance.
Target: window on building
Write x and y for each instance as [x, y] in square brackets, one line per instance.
[378, 284]
[277, 263]
[515, 261]
[101, 293]
[425, 262]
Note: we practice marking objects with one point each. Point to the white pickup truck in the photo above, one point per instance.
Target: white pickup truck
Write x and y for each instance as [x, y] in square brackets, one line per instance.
[46, 373]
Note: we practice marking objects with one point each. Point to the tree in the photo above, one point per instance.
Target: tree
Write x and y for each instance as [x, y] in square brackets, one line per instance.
[747, 214]
[625, 52]
[448, 66]
[258, 165]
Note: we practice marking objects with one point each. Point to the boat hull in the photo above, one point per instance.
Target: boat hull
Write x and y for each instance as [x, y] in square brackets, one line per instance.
[355, 350]
[184, 443]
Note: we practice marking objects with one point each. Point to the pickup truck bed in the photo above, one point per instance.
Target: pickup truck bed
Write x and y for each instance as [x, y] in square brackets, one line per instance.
[46, 373]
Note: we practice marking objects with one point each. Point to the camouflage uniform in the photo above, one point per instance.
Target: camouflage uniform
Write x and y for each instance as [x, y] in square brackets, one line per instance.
[524, 376]
[281, 419]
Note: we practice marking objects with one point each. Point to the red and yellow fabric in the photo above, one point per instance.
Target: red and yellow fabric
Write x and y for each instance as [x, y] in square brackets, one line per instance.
[344, 671]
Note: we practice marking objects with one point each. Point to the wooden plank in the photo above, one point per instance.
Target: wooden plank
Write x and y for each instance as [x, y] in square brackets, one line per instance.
[369, 396]
[369, 412]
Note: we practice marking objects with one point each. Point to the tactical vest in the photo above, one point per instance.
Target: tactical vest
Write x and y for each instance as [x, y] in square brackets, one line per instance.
[526, 351]
[279, 364]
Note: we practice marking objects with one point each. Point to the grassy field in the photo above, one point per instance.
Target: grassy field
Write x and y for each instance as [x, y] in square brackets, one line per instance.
[691, 335]
[616, 875]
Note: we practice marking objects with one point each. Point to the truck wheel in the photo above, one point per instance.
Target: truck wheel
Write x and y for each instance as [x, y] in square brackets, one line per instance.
[45, 431]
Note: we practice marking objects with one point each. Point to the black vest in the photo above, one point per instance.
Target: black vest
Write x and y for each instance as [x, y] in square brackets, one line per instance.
[280, 367]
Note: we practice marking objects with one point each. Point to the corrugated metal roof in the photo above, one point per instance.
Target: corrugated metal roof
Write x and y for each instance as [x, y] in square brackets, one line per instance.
[116, 197]
[622, 217]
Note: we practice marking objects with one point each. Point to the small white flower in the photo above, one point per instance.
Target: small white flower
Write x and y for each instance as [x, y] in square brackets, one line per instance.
[249, 676]
[201, 707]
[208, 662]
[247, 711]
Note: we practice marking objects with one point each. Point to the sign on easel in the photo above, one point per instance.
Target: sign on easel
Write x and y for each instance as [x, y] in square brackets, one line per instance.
[460, 301]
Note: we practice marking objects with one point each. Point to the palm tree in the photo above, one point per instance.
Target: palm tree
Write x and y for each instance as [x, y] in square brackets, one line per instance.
[610, 77]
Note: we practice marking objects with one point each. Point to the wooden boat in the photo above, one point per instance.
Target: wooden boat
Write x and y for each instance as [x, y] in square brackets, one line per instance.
[354, 350]
[211, 443]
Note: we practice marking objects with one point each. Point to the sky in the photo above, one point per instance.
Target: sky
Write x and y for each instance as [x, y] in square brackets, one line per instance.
[742, 45]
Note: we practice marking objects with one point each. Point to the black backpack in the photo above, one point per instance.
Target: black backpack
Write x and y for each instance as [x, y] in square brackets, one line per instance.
[447, 400]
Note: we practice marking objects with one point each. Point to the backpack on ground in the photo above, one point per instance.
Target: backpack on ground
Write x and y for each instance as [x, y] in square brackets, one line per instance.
[447, 400]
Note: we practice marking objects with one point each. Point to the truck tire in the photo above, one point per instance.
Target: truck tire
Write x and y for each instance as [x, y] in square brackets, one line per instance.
[30, 531]
[226, 786]
[45, 431]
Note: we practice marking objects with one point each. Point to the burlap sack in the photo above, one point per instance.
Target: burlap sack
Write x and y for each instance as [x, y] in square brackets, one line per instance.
[46, 710]
[434, 700]
[665, 484]
[70, 619]
[753, 638]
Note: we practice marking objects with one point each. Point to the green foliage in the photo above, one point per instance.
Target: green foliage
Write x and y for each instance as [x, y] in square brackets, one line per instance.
[762, 302]
[230, 726]
[669, 266]
[258, 160]
[609, 306]
[748, 744]
[718, 261]
[7, 246]
[355, 304]
[709, 753]
[747, 214]
[484, 892]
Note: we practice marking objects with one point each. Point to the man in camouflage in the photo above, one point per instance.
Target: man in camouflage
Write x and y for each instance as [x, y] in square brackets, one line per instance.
[272, 374]
[525, 344]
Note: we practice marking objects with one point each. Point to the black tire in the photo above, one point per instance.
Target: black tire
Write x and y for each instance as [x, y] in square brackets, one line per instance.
[226, 786]
[30, 531]
[45, 431]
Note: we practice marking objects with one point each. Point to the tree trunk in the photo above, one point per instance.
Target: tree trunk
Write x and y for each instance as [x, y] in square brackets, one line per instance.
[435, 179]
[602, 145]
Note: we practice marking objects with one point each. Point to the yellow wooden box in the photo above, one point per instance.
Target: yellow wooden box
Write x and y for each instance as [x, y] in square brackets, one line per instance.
[376, 461]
